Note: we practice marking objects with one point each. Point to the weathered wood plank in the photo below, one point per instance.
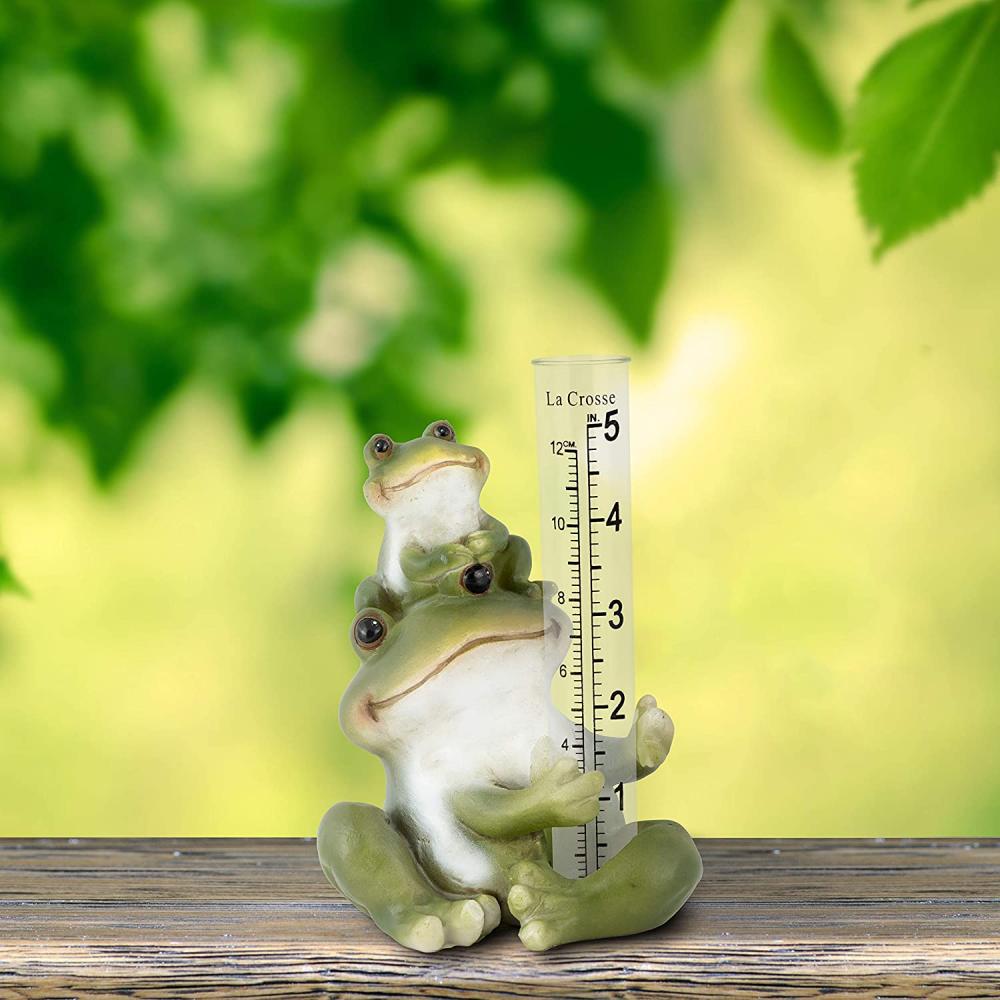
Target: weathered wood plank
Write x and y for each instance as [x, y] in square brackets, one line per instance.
[795, 918]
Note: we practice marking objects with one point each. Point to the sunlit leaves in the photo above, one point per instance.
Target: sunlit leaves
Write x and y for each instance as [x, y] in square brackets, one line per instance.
[927, 123]
[797, 92]
[662, 38]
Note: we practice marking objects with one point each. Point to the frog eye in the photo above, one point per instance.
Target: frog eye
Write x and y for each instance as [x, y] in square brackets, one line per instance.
[441, 430]
[477, 578]
[379, 447]
[369, 630]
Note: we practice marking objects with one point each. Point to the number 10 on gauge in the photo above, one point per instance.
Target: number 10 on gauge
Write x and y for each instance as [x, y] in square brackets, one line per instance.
[586, 550]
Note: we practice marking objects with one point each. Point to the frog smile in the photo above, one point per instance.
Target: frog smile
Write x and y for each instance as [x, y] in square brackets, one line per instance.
[373, 707]
[386, 489]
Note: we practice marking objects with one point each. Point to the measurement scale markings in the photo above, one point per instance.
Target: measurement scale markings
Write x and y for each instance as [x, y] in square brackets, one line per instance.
[576, 636]
[596, 613]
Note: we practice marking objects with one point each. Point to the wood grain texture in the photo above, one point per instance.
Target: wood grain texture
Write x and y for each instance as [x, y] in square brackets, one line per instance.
[204, 918]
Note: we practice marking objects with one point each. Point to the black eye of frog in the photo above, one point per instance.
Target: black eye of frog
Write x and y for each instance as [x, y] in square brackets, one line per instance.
[444, 431]
[369, 632]
[476, 579]
[382, 446]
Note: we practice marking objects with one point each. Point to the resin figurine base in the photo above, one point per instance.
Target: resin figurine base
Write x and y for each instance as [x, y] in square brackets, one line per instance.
[458, 649]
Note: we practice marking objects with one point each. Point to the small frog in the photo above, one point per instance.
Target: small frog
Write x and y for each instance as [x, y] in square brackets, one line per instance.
[427, 491]
[453, 694]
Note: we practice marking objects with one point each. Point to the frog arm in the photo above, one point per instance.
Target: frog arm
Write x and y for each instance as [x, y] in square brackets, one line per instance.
[490, 539]
[559, 795]
[629, 758]
[500, 813]
[426, 565]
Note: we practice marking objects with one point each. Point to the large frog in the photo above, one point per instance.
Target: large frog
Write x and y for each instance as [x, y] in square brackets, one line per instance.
[427, 491]
[454, 696]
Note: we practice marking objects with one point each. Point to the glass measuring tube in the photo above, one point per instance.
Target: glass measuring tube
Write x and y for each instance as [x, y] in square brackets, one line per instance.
[582, 427]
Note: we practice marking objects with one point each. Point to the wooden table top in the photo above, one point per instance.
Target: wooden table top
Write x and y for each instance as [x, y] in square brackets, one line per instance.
[156, 918]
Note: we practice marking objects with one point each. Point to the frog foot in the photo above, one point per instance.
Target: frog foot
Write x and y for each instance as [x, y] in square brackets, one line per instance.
[547, 906]
[434, 923]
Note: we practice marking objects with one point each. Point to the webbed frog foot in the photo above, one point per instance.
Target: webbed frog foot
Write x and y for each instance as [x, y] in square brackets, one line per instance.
[436, 922]
[546, 905]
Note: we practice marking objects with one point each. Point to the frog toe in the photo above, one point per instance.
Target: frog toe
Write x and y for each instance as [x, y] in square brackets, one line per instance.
[464, 922]
[538, 935]
[424, 932]
[491, 910]
[521, 901]
[529, 904]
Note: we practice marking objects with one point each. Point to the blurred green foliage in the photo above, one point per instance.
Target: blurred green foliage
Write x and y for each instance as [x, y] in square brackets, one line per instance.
[9, 583]
[281, 223]
[797, 92]
[133, 265]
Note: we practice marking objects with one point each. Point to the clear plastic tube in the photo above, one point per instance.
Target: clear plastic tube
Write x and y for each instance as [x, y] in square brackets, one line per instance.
[582, 421]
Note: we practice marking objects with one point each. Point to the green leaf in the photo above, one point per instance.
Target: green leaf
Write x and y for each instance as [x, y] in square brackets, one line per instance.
[662, 38]
[9, 583]
[796, 91]
[625, 252]
[927, 123]
[608, 159]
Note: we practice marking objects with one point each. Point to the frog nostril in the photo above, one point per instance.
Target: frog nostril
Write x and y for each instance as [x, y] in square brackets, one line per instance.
[476, 579]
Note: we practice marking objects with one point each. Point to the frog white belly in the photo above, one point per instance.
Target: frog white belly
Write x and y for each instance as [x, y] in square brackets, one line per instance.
[475, 723]
[420, 518]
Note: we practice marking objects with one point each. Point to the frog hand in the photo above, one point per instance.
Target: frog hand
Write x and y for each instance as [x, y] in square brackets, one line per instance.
[428, 566]
[487, 542]
[566, 796]
[654, 732]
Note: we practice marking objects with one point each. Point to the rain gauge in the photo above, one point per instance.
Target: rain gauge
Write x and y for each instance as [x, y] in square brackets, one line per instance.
[586, 549]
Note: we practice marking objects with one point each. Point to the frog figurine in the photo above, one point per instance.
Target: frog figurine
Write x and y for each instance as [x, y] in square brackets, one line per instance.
[427, 491]
[453, 695]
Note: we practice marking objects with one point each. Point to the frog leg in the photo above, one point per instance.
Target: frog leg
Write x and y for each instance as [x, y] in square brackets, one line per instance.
[638, 889]
[365, 857]
[513, 566]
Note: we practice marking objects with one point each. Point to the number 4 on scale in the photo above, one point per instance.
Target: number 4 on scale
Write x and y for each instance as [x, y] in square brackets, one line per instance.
[614, 519]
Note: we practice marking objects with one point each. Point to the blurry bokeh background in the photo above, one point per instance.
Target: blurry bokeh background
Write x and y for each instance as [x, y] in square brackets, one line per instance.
[236, 239]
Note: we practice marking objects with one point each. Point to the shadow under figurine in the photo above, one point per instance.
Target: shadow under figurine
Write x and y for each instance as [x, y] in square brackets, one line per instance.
[458, 650]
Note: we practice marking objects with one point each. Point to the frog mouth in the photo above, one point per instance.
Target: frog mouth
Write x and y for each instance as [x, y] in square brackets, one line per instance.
[426, 471]
[374, 707]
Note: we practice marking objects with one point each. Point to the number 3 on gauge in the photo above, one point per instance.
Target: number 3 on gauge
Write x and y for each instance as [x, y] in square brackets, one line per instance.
[617, 618]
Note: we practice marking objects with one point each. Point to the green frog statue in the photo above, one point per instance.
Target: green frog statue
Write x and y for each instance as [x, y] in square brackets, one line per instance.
[458, 650]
